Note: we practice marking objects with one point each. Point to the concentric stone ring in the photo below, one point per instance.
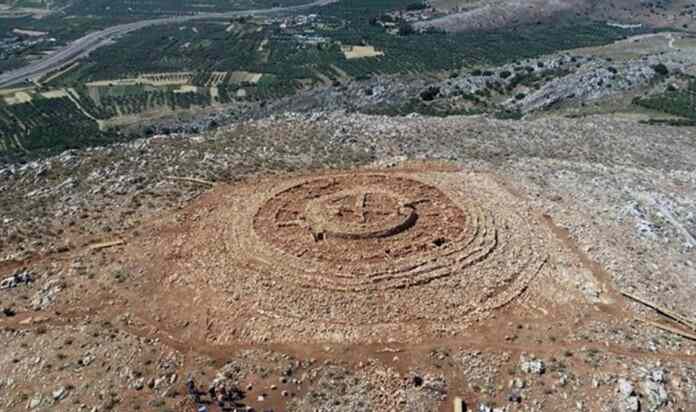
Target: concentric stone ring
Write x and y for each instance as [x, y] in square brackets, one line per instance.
[370, 231]
[364, 248]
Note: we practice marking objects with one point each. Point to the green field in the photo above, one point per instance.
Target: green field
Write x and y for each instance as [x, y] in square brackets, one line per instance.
[211, 46]
[47, 125]
[674, 101]
[124, 101]
[286, 59]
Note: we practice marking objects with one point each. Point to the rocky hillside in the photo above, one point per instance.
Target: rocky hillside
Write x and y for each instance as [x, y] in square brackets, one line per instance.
[494, 14]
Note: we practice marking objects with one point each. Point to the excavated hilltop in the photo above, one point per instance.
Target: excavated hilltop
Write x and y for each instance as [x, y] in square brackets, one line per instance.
[344, 262]
[350, 256]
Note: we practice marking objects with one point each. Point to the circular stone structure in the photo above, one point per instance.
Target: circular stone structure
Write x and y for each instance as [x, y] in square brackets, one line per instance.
[361, 253]
[364, 213]
[367, 232]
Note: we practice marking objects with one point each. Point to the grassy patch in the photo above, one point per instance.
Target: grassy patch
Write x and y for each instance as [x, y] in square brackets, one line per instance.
[675, 101]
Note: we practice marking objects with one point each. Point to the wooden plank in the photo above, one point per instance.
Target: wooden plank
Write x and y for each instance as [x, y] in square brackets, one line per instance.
[104, 245]
[192, 180]
[668, 328]
[458, 404]
[663, 311]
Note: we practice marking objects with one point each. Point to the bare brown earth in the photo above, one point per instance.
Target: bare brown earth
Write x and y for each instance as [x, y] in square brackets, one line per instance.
[352, 279]
[271, 281]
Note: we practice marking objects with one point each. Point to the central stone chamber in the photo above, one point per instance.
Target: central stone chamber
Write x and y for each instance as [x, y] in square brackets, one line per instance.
[364, 213]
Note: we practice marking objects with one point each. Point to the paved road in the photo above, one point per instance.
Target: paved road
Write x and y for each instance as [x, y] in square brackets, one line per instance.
[93, 41]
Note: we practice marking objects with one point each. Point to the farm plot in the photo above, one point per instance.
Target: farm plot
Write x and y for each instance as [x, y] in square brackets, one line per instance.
[46, 124]
[359, 52]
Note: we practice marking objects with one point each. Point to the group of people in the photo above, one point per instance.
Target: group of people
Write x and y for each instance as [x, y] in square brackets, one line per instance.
[219, 392]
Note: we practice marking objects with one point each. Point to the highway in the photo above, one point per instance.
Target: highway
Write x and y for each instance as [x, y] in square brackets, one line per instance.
[94, 40]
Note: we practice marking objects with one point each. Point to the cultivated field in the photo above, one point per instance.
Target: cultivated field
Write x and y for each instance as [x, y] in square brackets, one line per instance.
[358, 52]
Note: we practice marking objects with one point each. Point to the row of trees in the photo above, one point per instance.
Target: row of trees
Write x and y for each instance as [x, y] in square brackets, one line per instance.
[48, 125]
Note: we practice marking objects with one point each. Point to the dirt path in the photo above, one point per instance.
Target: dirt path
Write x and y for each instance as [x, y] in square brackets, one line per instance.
[71, 94]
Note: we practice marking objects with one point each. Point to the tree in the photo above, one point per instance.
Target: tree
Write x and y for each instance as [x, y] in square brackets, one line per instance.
[661, 69]
[416, 6]
[430, 93]
[406, 29]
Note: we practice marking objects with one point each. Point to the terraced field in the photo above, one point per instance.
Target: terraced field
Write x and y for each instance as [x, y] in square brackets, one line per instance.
[44, 123]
